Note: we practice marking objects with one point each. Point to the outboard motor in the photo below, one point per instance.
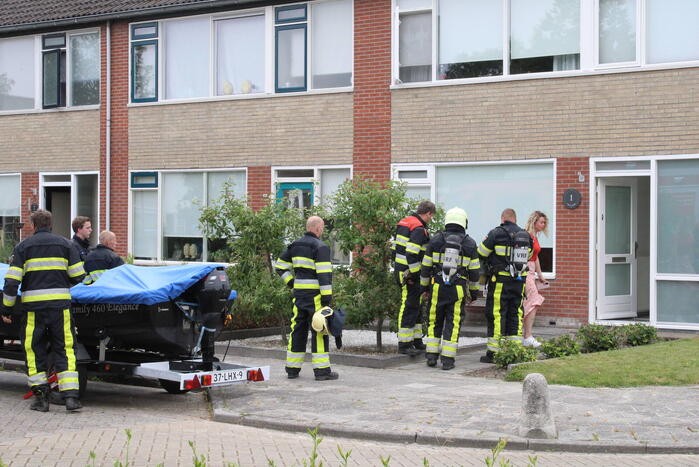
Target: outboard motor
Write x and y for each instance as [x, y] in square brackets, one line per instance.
[214, 303]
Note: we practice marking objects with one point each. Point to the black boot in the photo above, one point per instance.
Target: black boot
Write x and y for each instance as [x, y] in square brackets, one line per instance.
[406, 348]
[488, 357]
[447, 363]
[41, 398]
[419, 345]
[56, 398]
[331, 375]
[73, 403]
[431, 359]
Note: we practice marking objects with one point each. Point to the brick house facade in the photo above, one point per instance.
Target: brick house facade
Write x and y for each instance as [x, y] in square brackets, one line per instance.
[573, 124]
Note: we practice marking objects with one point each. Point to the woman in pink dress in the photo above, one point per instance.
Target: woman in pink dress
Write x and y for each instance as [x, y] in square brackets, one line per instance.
[538, 222]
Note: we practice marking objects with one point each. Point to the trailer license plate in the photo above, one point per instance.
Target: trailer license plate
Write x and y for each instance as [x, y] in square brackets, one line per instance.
[228, 376]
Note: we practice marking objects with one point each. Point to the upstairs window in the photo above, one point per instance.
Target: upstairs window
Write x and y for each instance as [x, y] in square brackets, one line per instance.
[17, 73]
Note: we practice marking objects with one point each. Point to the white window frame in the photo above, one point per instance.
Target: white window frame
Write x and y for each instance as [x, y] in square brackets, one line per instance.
[270, 57]
[73, 185]
[159, 241]
[39, 76]
[16, 174]
[589, 49]
[655, 276]
[315, 179]
[395, 168]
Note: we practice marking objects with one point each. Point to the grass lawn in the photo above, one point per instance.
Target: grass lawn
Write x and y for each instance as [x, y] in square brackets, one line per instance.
[671, 363]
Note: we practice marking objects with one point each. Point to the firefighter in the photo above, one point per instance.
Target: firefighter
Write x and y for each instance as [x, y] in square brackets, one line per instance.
[102, 258]
[82, 228]
[305, 267]
[505, 251]
[46, 265]
[449, 274]
[409, 244]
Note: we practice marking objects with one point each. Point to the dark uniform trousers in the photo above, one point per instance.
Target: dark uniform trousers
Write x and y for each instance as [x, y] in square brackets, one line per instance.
[444, 320]
[503, 310]
[51, 331]
[304, 308]
[409, 319]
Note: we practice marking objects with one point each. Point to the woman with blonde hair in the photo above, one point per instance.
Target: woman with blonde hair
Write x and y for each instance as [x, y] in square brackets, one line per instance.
[537, 222]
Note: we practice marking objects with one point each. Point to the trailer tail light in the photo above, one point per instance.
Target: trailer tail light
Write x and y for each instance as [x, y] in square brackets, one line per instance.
[256, 375]
[192, 383]
[206, 380]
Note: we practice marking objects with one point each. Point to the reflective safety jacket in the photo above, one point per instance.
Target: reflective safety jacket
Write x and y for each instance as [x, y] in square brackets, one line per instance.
[46, 265]
[100, 260]
[305, 267]
[409, 245]
[499, 241]
[469, 264]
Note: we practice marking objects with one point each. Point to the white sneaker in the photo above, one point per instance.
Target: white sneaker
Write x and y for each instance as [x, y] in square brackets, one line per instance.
[531, 342]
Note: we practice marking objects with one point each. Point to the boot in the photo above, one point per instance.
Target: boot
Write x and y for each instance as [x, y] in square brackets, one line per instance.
[447, 363]
[327, 376]
[488, 357]
[419, 345]
[41, 398]
[406, 348]
[431, 359]
[73, 403]
[56, 398]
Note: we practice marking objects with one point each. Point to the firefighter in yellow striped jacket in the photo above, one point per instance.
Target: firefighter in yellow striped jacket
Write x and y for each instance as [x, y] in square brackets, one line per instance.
[408, 246]
[46, 265]
[449, 273]
[305, 267]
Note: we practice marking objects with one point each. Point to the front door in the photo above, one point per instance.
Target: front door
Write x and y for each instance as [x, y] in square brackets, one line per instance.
[616, 248]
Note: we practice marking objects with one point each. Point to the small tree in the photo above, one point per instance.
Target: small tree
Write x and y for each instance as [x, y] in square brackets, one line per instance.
[365, 214]
[251, 241]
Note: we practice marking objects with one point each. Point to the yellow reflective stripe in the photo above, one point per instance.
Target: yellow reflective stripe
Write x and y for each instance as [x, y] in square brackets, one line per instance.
[475, 264]
[287, 276]
[400, 259]
[323, 267]
[484, 250]
[412, 248]
[28, 340]
[306, 286]
[77, 270]
[427, 261]
[45, 297]
[48, 260]
[68, 340]
[500, 250]
[9, 300]
[14, 273]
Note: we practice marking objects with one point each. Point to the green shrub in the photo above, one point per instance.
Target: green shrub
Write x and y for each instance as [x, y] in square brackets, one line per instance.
[596, 338]
[513, 352]
[560, 346]
[638, 334]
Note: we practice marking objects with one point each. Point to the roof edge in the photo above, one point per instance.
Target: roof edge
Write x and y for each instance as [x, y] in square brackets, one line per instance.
[132, 14]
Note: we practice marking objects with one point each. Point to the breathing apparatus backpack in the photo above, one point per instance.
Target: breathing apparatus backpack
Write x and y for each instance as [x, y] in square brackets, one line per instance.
[518, 257]
[451, 256]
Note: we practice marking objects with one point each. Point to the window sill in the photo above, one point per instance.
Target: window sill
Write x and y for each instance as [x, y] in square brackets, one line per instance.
[45, 111]
[606, 70]
[243, 97]
[153, 262]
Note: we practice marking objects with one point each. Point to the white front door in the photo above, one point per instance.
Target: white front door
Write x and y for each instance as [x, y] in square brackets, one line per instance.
[616, 248]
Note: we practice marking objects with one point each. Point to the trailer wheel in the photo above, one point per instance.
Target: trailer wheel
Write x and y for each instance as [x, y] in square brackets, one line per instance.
[172, 387]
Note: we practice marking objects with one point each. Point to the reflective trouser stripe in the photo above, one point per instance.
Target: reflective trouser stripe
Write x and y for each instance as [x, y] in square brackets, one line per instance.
[432, 342]
[417, 331]
[68, 343]
[37, 379]
[294, 359]
[68, 380]
[404, 334]
[320, 360]
[493, 343]
[449, 348]
[28, 341]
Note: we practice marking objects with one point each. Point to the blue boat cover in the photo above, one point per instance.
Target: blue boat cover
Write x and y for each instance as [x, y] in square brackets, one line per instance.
[144, 285]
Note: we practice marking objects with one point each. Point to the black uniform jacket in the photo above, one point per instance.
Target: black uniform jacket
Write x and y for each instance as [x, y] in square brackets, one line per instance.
[494, 250]
[83, 247]
[305, 267]
[99, 260]
[409, 245]
[432, 261]
[46, 265]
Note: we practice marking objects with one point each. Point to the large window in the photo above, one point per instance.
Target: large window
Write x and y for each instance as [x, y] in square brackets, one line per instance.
[485, 190]
[165, 212]
[308, 46]
[17, 73]
[461, 39]
[9, 212]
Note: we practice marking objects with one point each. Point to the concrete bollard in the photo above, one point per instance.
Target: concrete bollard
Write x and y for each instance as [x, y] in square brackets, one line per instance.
[536, 420]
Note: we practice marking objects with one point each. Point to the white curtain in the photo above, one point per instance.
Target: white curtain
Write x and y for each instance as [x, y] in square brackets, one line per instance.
[672, 30]
[17, 73]
[617, 31]
[330, 181]
[9, 195]
[483, 191]
[182, 198]
[332, 43]
[187, 58]
[543, 28]
[470, 31]
[240, 49]
[145, 224]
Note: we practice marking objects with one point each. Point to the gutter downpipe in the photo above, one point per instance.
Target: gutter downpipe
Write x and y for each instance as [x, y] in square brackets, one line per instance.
[108, 143]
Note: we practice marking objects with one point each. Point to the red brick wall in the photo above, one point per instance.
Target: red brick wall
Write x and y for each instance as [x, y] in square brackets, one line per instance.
[119, 135]
[259, 183]
[568, 296]
[372, 95]
[30, 195]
